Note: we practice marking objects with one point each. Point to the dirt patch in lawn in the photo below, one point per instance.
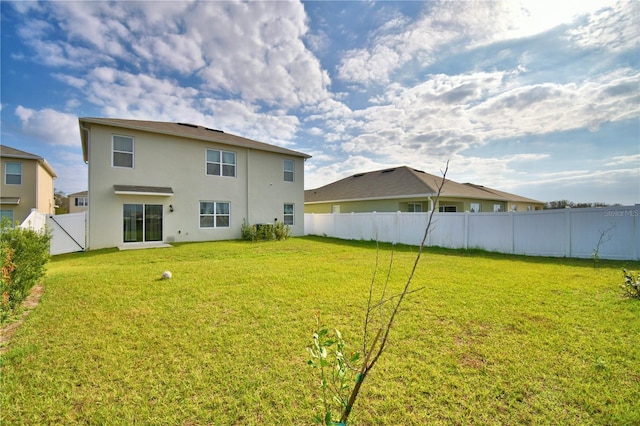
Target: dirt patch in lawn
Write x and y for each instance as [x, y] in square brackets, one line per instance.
[7, 331]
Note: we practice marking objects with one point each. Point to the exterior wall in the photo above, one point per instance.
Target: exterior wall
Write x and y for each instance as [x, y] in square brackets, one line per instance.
[26, 191]
[44, 191]
[257, 193]
[267, 192]
[389, 205]
[76, 209]
[402, 205]
[524, 207]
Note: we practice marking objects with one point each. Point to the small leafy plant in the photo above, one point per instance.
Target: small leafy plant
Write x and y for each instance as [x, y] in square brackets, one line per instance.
[328, 355]
[631, 284]
[281, 231]
[248, 232]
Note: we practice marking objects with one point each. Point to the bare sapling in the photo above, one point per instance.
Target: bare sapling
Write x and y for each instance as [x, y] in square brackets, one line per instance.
[377, 327]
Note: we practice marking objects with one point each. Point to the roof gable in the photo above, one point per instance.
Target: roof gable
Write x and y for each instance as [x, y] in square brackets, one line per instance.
[401, 182]
[9, 152]
[387, 183]
[185, 130]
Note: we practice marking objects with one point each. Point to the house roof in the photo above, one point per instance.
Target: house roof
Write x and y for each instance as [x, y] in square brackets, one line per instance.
[401, 182]
[185, 130]
[79, 194]
[8, 152]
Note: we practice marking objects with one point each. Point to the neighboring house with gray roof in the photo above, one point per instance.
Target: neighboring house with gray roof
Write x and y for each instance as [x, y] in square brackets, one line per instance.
[27, 183]
[406, 189]
[156, 182]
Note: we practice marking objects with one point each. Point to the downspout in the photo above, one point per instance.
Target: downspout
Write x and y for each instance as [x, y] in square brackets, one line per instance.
[248, 169]
[430, 204]
[87, 216]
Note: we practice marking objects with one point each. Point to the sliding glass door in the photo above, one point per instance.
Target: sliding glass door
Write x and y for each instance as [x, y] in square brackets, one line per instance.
[142, 222]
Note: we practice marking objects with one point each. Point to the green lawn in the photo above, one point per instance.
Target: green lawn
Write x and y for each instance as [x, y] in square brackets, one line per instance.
[491, 339]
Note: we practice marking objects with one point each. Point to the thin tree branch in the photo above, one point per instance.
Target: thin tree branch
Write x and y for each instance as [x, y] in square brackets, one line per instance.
[367, 366]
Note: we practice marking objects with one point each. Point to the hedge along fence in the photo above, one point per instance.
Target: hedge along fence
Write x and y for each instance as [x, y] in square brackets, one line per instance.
[24, 254]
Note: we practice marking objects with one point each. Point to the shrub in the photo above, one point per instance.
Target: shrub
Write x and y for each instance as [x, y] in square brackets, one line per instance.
[265, 231]
[249, 232]
[24, 254]
[281, 231]
[631, 284]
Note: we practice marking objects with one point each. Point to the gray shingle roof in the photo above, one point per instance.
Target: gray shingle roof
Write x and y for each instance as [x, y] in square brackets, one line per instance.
[186, 130]
[401, 182]
[9, 152]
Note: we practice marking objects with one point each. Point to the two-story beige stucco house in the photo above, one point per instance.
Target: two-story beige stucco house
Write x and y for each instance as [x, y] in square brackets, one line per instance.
[27, 184]
[160, 182]
[406, 189]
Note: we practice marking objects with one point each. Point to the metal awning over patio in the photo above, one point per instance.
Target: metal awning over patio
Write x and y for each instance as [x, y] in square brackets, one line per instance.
[161, 191]
[10, 200]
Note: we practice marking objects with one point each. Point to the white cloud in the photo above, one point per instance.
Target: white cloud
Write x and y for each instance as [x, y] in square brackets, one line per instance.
[453, 26]
[76, 82]
[52, 127]
[252, 50]
[623, 160]
[615, 28]
[447, 114]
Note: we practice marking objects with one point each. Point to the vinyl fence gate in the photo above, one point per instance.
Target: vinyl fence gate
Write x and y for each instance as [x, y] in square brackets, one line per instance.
[68, 232]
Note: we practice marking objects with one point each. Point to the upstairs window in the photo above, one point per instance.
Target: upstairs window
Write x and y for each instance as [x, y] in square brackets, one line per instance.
[288, 171]
[221, 163]
[13, 173]
[122, 151]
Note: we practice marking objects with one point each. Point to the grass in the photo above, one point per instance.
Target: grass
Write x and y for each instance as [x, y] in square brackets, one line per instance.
[491, 339]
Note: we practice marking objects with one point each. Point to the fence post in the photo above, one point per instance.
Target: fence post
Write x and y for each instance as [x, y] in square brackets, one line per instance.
[333, 229]
[567, 232]
[636, 225]
[351, 227]
[513, 231]
[466, 230]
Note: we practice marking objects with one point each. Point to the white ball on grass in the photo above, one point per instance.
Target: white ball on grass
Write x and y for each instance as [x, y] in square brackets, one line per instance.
[166, 275]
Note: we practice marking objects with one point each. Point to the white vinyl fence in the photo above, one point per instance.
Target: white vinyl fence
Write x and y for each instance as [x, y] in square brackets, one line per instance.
[613, 231]
[68, 231]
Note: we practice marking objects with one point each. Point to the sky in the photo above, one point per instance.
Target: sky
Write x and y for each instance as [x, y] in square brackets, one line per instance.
[539, 98]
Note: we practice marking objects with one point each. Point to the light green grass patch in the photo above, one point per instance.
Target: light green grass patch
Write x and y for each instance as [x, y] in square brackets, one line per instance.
[491, 339]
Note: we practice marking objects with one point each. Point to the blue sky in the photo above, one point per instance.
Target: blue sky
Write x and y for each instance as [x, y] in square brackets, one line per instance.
[539, 98]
